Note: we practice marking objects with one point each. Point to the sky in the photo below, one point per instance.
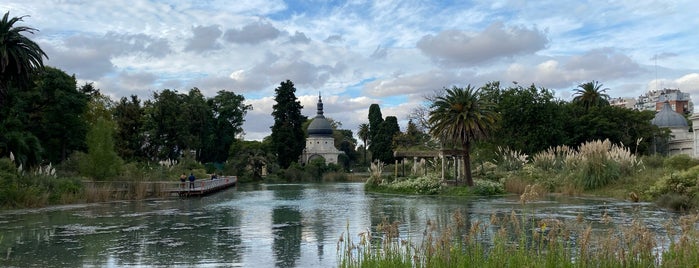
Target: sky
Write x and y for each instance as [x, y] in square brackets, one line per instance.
[356, 53]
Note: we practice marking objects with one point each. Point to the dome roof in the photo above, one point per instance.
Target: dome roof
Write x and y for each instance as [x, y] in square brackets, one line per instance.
[320, 126]
[668, 118]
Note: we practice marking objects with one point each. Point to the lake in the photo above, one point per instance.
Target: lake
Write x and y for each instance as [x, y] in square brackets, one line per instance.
[260, 225]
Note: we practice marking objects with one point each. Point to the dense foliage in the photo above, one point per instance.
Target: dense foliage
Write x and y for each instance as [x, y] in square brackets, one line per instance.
[288, 138]
[461, 117]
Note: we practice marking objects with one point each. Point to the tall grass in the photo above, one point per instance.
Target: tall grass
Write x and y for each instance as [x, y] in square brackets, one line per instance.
[520, 240]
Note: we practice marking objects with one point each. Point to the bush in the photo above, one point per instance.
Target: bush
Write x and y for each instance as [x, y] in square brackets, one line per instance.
[680, 162]
[486, 188]
[653, 161]
[426, 185]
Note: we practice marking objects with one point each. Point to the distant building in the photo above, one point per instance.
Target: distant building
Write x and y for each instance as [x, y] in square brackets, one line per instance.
[628, 103]
[320, 142]
[653, 101]
[682, 140]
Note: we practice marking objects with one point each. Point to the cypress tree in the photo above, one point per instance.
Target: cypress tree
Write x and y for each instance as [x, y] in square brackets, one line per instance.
[287, 136]
[375, 120]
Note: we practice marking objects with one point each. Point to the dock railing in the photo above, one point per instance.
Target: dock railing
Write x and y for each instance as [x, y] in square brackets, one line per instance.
[204, 185]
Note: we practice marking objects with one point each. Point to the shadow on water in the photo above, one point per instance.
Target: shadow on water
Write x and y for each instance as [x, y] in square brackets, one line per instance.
[262, 225]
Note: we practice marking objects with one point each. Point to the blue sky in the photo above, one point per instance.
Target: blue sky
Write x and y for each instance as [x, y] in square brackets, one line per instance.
[361, 52]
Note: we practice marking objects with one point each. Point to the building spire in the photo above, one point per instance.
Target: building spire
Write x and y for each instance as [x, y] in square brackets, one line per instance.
[320, 106]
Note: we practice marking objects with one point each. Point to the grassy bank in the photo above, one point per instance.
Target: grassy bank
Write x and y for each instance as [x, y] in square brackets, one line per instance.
[597, 168]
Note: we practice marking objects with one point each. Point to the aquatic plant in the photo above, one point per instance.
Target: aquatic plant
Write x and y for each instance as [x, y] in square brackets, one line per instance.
[522, 240]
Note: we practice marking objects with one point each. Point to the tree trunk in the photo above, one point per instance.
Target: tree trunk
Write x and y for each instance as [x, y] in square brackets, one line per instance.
[467, 163]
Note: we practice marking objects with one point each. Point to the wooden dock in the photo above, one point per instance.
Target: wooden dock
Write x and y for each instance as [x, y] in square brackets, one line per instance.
[204, 186]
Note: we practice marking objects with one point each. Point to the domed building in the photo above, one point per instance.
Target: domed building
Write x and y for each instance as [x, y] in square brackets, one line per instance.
[320, 142]
[681, 141]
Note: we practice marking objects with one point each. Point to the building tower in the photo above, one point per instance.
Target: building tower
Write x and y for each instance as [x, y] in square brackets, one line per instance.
[320, 142]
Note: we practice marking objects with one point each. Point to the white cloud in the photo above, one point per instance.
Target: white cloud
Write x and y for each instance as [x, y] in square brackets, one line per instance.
[252, 33]
[204, 38]
[362, 52]
[455, 47]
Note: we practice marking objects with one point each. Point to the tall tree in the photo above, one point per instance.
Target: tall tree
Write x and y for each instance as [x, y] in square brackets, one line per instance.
[363, 133]
[591, 94]
[287, 136]
[383, 143]
[462, 116]
[129, 116]
[19, 55]
[375, 120]
[532, 119]
[199, 120]
[166, 126]
[101, 161]
[56, 111]
[229, 112]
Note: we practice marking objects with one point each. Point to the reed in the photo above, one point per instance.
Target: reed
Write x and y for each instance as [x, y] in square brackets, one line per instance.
[521, 240]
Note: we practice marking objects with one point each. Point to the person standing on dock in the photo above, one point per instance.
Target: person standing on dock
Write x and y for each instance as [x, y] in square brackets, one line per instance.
[191, 180]
[183, 178]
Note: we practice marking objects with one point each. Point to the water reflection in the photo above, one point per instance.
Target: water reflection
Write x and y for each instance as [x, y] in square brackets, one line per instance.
[290, 225]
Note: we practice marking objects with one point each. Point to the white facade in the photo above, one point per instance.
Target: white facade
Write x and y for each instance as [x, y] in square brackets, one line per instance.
[320, 147]
[320, 142]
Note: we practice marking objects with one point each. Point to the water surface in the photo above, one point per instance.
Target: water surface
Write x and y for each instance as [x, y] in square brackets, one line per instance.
[277, 225]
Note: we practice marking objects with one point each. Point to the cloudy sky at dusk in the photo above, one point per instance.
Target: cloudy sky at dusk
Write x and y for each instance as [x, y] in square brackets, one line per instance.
[361, 52]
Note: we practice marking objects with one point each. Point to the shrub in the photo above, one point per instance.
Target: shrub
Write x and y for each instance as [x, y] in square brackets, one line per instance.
[684, 183]
[486, 188]
[680, 162]
[652, 161]
[426, 185]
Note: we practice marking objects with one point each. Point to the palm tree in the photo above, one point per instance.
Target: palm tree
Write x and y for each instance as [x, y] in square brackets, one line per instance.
[462, 116]
[364, 135]
[19, 56]
[591, 94]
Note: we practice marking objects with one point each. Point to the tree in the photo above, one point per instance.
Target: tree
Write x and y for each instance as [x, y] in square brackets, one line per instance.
[531, 120]
[19, 55]
[462, 116]
[229, 112]
[129, 119]
[101, 161]
[412, 137]
[383, 144]
[287, 136]
[591, 94]
[56, 110]
[345, 141]
[166, 126]
[199, 121]
[363, 133]
[624, 126]
[375, 120]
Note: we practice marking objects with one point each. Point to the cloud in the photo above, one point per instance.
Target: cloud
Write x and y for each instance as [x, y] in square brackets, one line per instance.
[127, 83]
[379, 53]
[85, 63]
[91, 57]
[276, 68]
[335, 38]
[418, 83]
[561, 72]
[454, 47]
[605, 63]
[253, 33]
[663, 55]
[688, 83]
[205, 38]
[299, 38]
